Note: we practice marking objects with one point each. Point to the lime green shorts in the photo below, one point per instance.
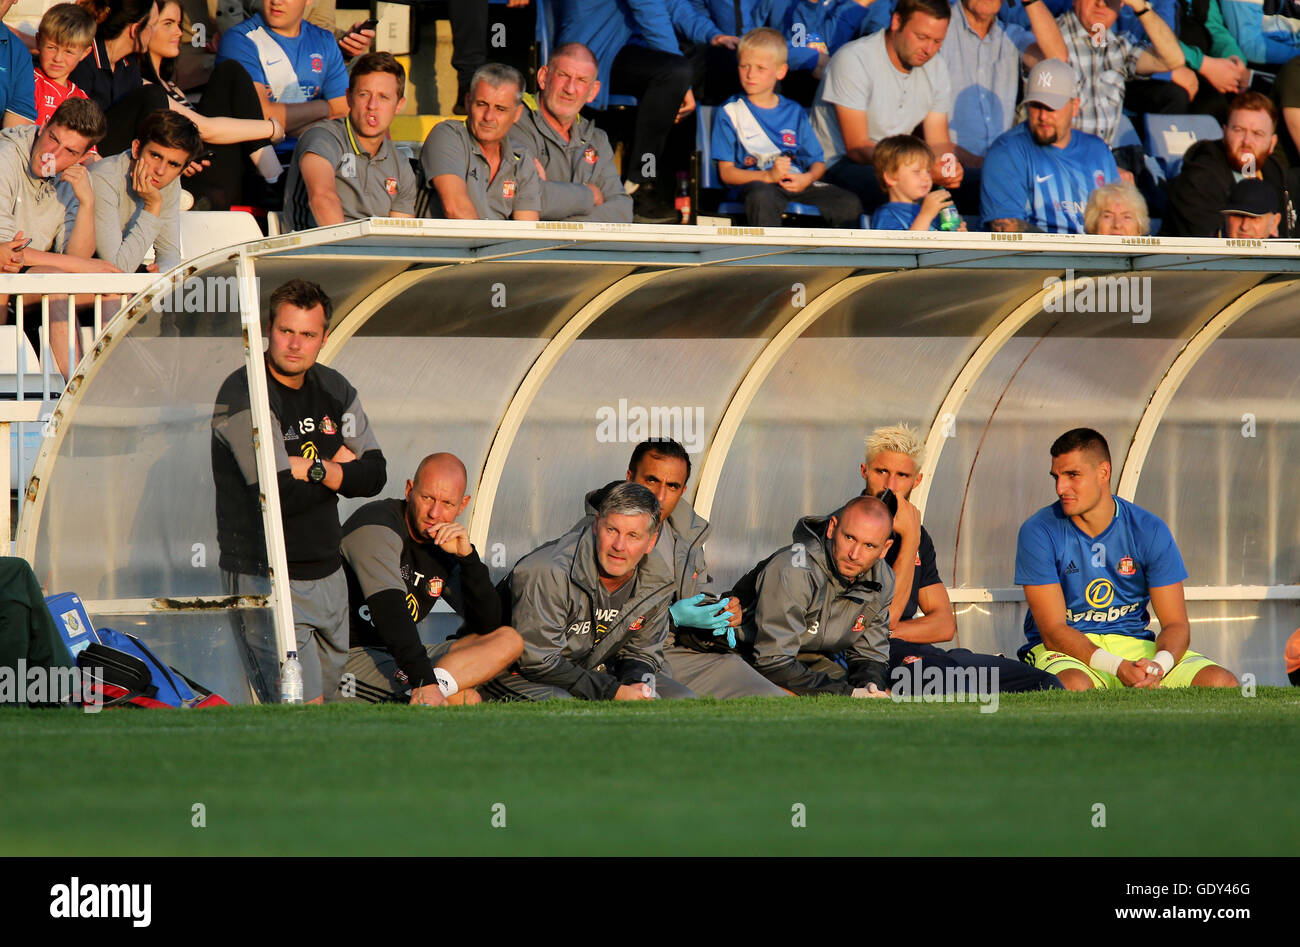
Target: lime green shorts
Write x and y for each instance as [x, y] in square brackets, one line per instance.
[1128, 648]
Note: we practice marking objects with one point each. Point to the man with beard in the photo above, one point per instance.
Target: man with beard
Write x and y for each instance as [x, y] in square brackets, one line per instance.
[573, 158]
[1037, 176]
[886, 84]
[1211, 168]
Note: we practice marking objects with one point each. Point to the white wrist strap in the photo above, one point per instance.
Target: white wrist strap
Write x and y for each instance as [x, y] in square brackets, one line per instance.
[446, 683]
[1103, 660]
[1165, 660]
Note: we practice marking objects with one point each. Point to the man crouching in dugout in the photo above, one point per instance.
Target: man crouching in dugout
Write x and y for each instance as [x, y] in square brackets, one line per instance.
[400, 557]
[592, 608]
[829, 591]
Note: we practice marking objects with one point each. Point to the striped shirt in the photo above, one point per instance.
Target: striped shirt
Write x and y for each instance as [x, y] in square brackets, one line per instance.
[1103, 68]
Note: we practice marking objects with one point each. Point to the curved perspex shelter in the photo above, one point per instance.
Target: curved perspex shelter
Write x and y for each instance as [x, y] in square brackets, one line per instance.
[540, 354]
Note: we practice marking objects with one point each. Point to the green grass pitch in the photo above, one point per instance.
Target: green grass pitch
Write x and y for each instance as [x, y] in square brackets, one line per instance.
[1179, 773]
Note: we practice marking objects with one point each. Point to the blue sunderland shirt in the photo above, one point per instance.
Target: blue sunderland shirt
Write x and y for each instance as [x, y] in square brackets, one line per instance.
[1106, 578]
[1042, 184]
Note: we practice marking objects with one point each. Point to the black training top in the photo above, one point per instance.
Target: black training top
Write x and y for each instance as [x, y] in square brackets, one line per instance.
[395, 580]
[312, 421]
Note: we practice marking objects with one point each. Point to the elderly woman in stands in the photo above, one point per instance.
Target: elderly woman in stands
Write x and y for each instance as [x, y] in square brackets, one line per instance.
[1118, 210]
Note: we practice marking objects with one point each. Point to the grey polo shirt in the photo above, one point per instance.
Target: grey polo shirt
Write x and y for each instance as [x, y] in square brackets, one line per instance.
[28, 203]
[450, 149]
[367, 187]
[586, 158]
[860, 76]
[124, 230]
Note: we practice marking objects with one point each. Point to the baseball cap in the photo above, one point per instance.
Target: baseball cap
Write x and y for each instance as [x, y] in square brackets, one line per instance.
[1051, 84]
[1251, 197]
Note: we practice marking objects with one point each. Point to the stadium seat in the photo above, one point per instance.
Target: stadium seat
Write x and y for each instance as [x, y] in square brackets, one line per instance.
[1169, 137]
[545, 29]
[709, 171]
[206, 230]
[1126, 134]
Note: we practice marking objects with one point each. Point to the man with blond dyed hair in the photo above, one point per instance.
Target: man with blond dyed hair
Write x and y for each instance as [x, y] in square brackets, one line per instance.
[920, 615]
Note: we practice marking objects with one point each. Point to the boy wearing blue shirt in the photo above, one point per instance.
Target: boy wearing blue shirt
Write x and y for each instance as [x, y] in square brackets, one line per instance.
[764, 143]
[296, 67]
[902, 164]
[1091, 564]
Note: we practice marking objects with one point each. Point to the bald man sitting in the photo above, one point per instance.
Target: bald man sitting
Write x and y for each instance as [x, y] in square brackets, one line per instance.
[400, 558]
[827, 592]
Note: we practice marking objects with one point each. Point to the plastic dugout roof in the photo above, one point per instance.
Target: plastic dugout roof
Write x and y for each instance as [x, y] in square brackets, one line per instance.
[541, 353]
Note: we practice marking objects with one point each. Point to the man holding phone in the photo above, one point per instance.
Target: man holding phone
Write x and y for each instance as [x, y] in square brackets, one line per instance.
[297, 67]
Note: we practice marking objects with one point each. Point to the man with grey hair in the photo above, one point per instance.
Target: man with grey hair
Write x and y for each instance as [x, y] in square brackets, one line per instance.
[920, 614]
[827, 593]
[700, 653]
[471, 170]
[573, 157]
[591, 607]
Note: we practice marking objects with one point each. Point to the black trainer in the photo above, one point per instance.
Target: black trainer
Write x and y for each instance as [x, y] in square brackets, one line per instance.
[647, 208]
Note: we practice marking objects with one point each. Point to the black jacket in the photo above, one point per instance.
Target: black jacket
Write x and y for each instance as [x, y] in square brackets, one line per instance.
[1201, 189]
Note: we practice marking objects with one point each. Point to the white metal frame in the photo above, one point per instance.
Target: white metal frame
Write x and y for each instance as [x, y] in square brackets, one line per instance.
[706, 483]
[966, 379]
[1191, 353]
[503, 438]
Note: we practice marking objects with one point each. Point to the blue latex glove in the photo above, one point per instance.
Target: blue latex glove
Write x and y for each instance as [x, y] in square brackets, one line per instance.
[688, 612]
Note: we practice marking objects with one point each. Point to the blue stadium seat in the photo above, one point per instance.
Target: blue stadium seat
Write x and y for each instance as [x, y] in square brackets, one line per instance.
[545, 29]
[1169, 137]
[709, 170]
[1126, 134]
[545, 36]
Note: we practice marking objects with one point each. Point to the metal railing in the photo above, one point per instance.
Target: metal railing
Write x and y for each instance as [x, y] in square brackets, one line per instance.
[31, 379]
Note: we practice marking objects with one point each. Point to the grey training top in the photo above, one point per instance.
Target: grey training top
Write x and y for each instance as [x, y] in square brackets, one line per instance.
[367, 187]
[124, 230]
[28, 203]
[586, 158]
[450, 149]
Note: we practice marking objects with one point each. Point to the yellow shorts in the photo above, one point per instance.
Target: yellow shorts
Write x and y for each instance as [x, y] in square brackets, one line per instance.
[1128, 648]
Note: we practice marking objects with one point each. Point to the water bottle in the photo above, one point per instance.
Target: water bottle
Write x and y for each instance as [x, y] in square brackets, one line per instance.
[683, 201]
[949, 218]
[291, 680]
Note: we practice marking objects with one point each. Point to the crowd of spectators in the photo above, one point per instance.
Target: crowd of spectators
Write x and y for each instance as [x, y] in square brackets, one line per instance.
[892, 114]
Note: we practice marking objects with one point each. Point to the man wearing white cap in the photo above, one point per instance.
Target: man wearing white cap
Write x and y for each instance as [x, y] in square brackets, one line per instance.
[1037, 176]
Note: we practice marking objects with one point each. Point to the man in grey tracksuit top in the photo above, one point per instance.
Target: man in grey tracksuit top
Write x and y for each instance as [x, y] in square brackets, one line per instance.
[580, 181]
[696, 654]
[591, 607]
[827, 592]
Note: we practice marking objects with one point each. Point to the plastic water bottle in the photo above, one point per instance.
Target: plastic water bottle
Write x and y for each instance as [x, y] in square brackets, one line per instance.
[291, 680]
[683, 199]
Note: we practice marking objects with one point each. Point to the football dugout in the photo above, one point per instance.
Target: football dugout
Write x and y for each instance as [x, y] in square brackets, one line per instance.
[541, 353]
